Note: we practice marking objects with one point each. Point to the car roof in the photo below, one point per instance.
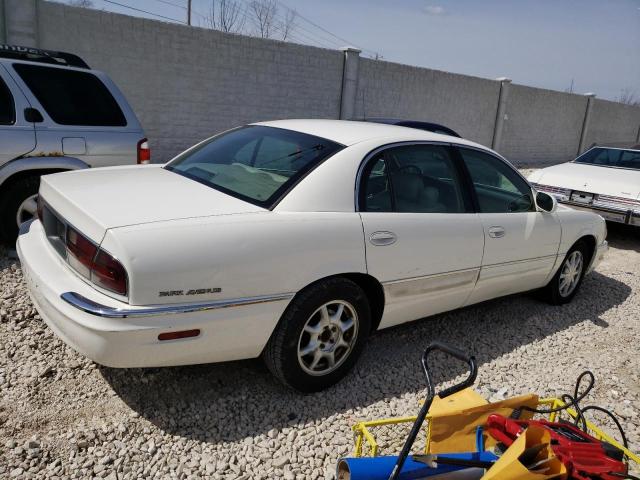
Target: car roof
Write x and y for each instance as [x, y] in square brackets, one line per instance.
[349, 132]
[430, 126]
[616, 146]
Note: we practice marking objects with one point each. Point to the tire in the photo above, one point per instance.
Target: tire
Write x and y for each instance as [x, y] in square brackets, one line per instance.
[304, 328]
[10, 201]
[556, 292]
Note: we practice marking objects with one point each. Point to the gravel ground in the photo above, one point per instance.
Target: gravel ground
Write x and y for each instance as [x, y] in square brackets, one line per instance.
[62, 416]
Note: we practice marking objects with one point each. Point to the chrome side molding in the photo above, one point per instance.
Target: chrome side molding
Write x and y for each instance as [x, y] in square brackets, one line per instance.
[89, 306]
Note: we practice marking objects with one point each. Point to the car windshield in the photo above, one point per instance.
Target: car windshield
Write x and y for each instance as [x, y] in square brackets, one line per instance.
[611, 157]
[254, 163]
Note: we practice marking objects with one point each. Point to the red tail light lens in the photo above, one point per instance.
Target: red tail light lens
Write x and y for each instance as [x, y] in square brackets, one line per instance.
[108, 273]
[95, 264]
[80, 252]
[144, 152]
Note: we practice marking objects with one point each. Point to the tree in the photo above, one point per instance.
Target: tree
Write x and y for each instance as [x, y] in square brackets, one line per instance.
[570, 88]
[264, 15]
[226, 15]
[81, 3]
[628, 97]
[288, 24]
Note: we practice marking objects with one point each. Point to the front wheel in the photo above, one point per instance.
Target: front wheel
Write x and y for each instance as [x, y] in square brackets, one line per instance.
[565, 283]
[320, 335]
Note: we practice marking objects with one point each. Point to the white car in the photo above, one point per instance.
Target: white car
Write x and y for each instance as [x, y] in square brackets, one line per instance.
[293, 240]
[605, 180]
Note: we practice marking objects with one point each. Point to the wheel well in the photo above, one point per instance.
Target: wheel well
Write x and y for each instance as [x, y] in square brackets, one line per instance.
[590, 241]
[372, 289]
[28, 173]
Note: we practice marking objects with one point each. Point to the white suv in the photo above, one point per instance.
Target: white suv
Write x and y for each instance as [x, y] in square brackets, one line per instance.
[57, 114]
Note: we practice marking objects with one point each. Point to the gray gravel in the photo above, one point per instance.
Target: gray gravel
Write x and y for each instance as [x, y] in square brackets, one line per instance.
[62, 416]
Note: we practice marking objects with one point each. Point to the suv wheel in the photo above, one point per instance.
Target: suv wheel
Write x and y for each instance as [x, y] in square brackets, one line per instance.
[565, 283]
[18, 204]
[320, 335]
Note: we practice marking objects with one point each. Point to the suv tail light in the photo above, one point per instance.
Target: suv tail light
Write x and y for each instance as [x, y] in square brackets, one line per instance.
[144, 152]
[95, 264]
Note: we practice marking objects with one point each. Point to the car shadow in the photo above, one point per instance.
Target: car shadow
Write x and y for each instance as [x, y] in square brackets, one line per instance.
[197, 401]
[624, 237]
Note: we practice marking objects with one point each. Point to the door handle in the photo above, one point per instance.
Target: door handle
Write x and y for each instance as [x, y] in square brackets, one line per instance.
[496, 232]
[383, 238]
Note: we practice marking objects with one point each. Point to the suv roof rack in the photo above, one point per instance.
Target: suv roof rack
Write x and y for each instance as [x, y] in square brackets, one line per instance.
[43, 56]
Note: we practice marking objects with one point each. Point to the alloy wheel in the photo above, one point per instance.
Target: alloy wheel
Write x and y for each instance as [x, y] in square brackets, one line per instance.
[27, 209]
[571, 273]
[328, 337]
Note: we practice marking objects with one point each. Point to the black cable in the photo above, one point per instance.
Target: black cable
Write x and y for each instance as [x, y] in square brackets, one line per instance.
[615, 420]
[624, 475]
[574, 401]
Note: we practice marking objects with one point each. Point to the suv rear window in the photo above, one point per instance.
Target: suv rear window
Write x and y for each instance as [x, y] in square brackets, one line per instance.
[7, 109]
[71, 97]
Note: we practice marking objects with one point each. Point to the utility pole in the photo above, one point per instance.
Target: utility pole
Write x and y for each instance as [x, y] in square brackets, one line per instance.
[188, 12]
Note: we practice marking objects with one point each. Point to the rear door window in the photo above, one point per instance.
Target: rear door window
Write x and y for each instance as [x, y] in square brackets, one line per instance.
[7, 107]
[72, 97]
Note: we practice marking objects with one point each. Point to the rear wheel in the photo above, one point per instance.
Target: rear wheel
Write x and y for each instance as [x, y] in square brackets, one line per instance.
[565, 283]
[18, 204]
[320, 335]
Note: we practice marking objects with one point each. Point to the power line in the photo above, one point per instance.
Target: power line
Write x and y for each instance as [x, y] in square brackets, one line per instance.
[325, 30]
[172, 4]
[142, 11]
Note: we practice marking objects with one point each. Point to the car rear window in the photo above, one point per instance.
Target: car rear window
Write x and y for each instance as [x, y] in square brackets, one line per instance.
[71, 97]
[7, 109]
[255, 163]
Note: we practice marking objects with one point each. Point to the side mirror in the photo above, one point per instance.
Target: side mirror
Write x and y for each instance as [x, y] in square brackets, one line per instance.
[546, 202]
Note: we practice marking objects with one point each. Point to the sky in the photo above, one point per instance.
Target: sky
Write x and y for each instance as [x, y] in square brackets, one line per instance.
[592, 44]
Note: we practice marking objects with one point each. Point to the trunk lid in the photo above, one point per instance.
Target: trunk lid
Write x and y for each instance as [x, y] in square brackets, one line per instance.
[618, 182]
[95, 200]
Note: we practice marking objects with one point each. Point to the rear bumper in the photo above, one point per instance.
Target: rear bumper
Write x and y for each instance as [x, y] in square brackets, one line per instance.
[628, 217]
[233, 332]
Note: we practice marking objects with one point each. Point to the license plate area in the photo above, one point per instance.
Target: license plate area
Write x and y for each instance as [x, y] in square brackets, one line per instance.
[582, 197]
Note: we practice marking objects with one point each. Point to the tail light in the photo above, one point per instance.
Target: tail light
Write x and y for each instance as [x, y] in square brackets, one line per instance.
[108, 273]
[95, 264]
[144, 152]
[80, 252]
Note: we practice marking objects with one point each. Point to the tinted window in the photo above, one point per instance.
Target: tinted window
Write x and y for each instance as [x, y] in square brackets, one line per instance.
[498, 187]
[71, 97]
[611, 157]
[412, 178]
[7, 108]
[254, 163]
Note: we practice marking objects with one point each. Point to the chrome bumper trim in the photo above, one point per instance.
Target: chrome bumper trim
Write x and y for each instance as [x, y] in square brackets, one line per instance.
[89, 306]
[628, 217]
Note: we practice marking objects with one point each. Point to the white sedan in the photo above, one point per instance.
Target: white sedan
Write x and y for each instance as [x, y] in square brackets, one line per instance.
[605, 180]
[292, 240]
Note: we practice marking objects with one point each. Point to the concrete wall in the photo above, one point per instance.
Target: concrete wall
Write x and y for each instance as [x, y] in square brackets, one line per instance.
[187, 83]
[613, 122]
[542, 126]
[466, 104]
